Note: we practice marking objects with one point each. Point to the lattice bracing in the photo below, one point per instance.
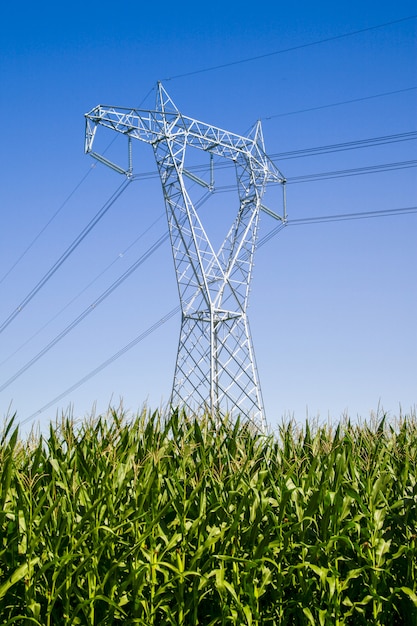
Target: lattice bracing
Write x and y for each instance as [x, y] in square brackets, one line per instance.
[215, 367]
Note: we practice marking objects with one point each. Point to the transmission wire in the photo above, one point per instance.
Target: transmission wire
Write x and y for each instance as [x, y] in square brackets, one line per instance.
[94, 280]
[262, 241]
[336, 104]
[95, 304]
[77, 186]
[371, 142]
[108, 362]
[227, 188]
[291, 49]
[355, 171]
[71, 248]
[269, 117]
[51, 219]
[308, 178]
[163, 238]
[87, 311]
[306, 152]
[320, 219]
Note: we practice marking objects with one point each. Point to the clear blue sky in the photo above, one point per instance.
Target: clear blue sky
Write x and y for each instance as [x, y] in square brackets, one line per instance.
[333, 305]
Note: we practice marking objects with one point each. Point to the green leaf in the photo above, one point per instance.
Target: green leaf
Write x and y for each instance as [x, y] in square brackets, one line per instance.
[248, 614]
[309, 615]
[410, 593]
[17, 575]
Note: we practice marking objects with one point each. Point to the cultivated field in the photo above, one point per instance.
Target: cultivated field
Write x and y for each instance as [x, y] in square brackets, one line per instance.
[182, 521]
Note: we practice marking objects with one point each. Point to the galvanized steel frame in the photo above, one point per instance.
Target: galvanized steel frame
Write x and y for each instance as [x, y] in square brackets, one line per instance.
[215, 366]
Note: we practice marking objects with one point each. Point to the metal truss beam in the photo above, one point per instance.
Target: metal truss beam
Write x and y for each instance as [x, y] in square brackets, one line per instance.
[215, 367]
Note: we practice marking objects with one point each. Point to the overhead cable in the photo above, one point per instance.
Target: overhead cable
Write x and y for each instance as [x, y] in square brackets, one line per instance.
[337, 104]
[262, 241]
[370, 142]
[291, 48]
[355, 171]
[156, 245]
[341, 217]
[73, 246]
[108, 362]
[346, 145]
[86, 311]
[96, 302]
[94, 280]
[51, 219]
[320, 219]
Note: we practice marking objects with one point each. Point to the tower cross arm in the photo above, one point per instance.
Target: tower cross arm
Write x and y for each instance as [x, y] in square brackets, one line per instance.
[131, 122]
[151, 126]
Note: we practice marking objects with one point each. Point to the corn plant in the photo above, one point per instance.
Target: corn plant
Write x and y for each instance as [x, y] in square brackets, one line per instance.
[187, 520]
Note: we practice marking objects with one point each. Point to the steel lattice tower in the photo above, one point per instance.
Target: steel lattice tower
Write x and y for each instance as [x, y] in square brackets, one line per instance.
[215, 367]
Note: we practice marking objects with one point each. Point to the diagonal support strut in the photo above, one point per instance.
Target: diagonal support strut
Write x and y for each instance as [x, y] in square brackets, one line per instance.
[215, 366]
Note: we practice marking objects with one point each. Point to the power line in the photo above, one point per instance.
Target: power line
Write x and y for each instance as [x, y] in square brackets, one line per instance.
[304, 178]
[325, 149]
[74, 245]
[262, 241]
[106, 363]
[301, 46]
[352, 216]
[355, 171]
[95, 304]
[162, 239]
[337, 104]
[305, 152]
[371, 142]
[51, 219]
[347, 145]
[338, 217]
[86, 311]
[222, 189]
[290, 49]
[94, 280]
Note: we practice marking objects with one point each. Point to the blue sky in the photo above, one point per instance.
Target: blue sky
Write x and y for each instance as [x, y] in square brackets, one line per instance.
[333, 304]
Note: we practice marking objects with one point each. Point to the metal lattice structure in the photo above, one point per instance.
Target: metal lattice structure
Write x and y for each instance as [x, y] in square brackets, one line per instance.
[215, 367]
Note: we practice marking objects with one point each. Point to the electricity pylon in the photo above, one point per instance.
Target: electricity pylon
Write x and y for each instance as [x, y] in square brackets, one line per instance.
[215, 367]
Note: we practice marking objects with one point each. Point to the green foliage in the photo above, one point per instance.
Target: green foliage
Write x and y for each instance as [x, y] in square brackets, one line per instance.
[180, 521]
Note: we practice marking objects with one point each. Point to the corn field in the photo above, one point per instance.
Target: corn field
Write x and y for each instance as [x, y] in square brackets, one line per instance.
[182, 521]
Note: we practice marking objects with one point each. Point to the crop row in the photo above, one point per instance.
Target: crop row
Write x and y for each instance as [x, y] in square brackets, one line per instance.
[184, 521]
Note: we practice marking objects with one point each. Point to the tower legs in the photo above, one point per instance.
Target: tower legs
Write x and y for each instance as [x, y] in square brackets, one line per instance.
[215, 368]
